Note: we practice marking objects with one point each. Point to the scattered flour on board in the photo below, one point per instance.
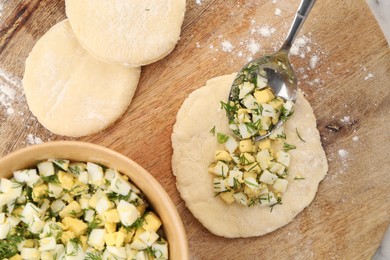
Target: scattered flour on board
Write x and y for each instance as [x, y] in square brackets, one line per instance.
[266, 31]
[299, 46]
[1, 9]
[370, 75]
[13, 105]
[343, 154]
[313, 61]
[346, 119]
[253, 47]
[227, 46]
[198, 2]
[261, 38]
[8, 93]
[31, 139]
[355, 138]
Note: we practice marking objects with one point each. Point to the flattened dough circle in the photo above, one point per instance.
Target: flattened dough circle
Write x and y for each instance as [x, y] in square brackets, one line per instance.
[193, 151]
[69, 91]
[133, 33]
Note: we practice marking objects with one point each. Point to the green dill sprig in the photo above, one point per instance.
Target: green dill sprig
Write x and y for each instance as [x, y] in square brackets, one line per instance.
[137, 224]
[278, 202]
[118, 197]
[243, 160]
[299, 136]
[285, 114]
[230, 110]
[93, 256]
[75, 169]
[75, 243]
[96, 222]
[151, 251]
[51, 179]
[212, 131]
[222, 138]
[287, 147]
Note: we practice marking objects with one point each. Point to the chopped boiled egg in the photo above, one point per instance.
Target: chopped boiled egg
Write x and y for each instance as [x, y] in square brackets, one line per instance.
[55, 190]
[268, 177]
[96, 238]
[221, 169]
[234, 178]
[46, 169]
[221, 155]
[29, 212]
[261, 82]
[280, 185]
[245, 89]
[117, 251]
[249, 102]
[161, 250]
[219, 185]
[283, 158]
[151, 222]
[47, 243]
[268, 111]
[104, 204]
[30, 253]
[263, 96]
[231, 144]
[128, 213]
[241, 198]
[120, 185]
[95, 173]
[4, 230]
[148, 237]
[83, 177]
[75, 225]
[277, 168]
[57, 205]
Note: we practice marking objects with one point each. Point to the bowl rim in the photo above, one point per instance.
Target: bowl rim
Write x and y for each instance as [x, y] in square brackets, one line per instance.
[162, 203]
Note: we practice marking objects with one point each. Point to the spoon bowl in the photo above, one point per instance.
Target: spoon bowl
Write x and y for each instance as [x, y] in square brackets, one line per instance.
[273, 71]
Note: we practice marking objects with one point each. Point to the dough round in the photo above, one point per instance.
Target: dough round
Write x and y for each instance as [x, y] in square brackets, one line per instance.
[69, 91]
[132, 33]
[193, 151]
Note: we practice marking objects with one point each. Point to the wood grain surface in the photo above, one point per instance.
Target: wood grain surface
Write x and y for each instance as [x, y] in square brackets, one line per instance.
[348, 88]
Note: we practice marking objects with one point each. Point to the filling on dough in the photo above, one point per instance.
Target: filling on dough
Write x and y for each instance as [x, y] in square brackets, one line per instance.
[194, 149]
[253, 109]
[252, 173]
[247, 171]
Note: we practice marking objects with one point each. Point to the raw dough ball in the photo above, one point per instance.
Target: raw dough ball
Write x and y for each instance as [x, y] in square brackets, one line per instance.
[133, 33]
[193, 151]
[69, 91]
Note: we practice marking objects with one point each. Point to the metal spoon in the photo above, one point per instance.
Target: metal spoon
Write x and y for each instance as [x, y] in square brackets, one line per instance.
[279, 73]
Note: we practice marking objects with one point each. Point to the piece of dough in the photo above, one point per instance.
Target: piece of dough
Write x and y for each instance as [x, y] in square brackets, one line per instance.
[193, 151]
[69, 91]
[132, 33]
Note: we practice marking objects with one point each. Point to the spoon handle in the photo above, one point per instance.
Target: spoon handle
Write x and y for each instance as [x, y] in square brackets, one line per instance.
[300, 17]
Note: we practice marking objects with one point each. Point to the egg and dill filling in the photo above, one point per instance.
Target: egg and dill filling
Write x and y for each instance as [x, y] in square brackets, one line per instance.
[75, 210]
[247, 171]
[251, 173]
[253, 108]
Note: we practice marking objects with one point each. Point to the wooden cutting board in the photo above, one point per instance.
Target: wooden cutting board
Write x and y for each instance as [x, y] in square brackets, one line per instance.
[344, 69]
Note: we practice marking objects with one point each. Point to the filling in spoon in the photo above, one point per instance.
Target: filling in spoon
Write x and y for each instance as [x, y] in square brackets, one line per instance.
[264, 92]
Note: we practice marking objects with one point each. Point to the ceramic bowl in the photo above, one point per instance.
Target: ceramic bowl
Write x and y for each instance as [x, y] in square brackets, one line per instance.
[80, 151]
